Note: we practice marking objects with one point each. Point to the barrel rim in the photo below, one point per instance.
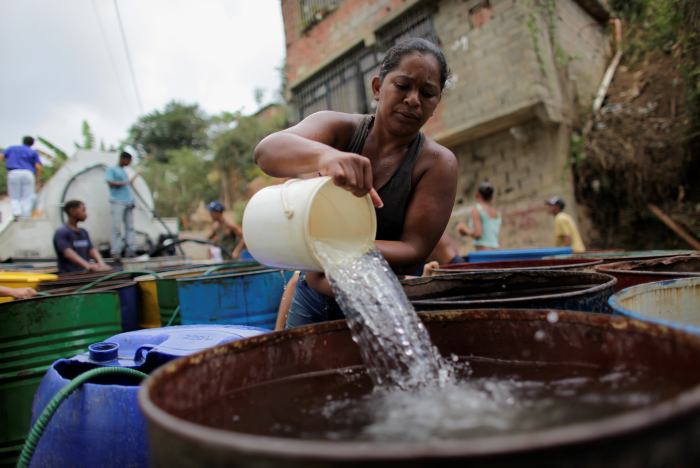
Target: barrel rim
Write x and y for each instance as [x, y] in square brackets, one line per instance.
[565, 265]
[636, 255]
[56, 296]
[611, 268]
[227, 275]
[173, 274]
[610, 282]
[257, 445]
[614, 302]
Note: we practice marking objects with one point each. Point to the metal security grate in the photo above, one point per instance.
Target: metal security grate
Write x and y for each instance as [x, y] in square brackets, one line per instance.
[417, 22]
[340, 86]
[345, 84]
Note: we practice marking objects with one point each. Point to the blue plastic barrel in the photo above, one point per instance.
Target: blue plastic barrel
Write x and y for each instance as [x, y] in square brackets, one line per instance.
[674, 303]
[515, 254]
[250, 298]
[101, 424]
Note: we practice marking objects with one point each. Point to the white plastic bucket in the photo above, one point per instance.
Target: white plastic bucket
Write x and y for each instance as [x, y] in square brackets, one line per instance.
[281, 222]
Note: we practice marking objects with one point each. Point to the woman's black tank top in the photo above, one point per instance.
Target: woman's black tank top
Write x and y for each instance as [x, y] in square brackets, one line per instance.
[397, 191]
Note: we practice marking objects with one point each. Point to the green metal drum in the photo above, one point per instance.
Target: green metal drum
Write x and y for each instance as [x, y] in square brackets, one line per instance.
[35, 333]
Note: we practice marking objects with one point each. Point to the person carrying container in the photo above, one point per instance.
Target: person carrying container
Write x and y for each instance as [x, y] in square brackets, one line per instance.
[565, 231]
[72, 244]
[411, 178]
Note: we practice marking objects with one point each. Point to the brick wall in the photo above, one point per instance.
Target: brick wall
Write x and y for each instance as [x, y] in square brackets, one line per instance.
[350, 23]
[526, 165]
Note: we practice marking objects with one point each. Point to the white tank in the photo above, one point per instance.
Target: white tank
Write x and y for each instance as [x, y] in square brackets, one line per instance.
[80, 178]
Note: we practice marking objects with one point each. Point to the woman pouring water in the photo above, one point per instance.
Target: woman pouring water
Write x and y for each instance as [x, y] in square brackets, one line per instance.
[412, 179]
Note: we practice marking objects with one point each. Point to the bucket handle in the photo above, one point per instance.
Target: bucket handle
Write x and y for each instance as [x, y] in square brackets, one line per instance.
[288, 212]
[141, 352]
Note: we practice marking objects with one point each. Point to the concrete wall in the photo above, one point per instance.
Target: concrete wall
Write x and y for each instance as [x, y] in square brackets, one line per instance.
[526, 166]
[519, 80]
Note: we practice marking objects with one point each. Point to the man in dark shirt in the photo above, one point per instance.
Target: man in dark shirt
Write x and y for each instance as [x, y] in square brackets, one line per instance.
[72, 244]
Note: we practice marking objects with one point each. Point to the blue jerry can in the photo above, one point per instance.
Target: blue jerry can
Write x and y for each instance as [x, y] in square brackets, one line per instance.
[100, 424]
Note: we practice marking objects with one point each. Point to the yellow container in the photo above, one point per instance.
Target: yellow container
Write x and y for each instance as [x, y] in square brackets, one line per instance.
[149, 312]
[15, 279]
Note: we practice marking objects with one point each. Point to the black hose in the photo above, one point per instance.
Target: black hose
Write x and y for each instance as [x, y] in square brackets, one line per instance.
[160, 248]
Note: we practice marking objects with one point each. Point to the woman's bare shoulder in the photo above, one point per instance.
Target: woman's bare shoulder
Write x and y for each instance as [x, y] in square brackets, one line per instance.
[436, 153]
[340, 125]
[336, 120]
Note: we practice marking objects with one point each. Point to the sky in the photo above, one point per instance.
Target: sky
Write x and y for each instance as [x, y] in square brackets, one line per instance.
[64, 61]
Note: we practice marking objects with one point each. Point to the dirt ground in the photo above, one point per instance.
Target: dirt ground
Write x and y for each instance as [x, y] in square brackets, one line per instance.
[635, 154]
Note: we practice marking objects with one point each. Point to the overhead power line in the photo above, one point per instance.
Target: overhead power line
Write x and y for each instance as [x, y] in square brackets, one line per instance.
[128, 57]
[109, 53]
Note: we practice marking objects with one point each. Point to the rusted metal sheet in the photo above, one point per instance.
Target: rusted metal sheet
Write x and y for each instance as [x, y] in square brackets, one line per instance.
[549, 264]
[569, 290]
[621, 256]
[662, 434]
[675, 303]
[632, 273]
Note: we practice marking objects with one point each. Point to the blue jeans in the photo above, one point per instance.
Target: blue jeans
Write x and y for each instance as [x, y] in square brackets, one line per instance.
[309, 306]
[20, 188]
[122, 215]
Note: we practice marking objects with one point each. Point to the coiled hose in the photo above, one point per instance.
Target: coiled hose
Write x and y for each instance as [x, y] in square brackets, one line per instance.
[40, 425]
[102, 279]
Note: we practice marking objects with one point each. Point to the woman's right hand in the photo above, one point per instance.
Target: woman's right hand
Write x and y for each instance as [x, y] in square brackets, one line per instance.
[463, 230]
[349, 171]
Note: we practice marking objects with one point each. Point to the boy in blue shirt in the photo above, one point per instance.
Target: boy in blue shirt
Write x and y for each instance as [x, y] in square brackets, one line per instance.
[121, 200]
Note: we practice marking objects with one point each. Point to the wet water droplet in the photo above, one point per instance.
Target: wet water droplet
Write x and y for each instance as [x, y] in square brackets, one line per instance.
[552, 317]
[540, 335]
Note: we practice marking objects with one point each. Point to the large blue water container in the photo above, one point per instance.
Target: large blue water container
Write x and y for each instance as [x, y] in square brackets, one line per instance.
[515, 254]
[100, 424]
[250, 298]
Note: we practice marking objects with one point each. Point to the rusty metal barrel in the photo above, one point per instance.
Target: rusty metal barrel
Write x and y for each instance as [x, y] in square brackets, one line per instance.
[540, 264]
[629, 255]
[632, 273]
[659, 433]
[569, 290]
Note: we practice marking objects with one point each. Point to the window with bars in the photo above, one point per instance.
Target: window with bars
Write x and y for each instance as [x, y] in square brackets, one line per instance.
[417, 22]
[345, 84]
[313, 11]
[340, 86]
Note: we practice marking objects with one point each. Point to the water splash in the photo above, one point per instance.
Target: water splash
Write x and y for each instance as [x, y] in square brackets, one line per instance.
[394, 344]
